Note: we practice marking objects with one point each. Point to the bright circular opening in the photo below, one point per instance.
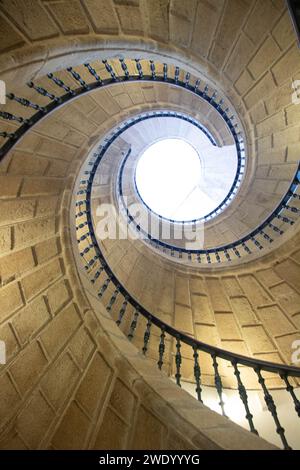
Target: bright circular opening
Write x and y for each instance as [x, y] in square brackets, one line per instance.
[167, 177]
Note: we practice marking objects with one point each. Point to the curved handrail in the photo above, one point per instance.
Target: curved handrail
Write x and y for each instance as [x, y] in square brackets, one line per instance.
[96, 264]
[270, 222]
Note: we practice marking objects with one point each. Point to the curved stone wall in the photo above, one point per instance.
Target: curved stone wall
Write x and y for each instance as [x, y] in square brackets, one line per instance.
[51, 330]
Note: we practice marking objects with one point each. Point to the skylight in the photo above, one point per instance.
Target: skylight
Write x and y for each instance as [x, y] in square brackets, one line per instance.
[172, 181]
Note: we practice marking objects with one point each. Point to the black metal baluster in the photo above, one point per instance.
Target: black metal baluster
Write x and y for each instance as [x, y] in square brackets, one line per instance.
[77, 77]
[276, 229]
[122, 312]
[60, 83]
[91, 262]
[213, 96]
[266, 236]
[290, 389]
[133, 325]
[165, 71]
[246, 248]
[197, 373]
[284, 219]
[243, 396]
[161, 349]
[110, 70]
[272, 408]
[293, 209]
[139, 68]
[147, 336]
[205, 91]
[12, 117]
[218, 383]
[236, 252]
[112, 300]
[93, 73]
[97, 274]
[124, 68]
[256, 243]
[187, 79]
[44, 92]
[208, 257]
[218, 257]
[104, 287]
[152, 68]
[9, 135]
[197, 84]
[26, 103]
[227, 255]
[177, 74]
[86, 249]
[178, 361]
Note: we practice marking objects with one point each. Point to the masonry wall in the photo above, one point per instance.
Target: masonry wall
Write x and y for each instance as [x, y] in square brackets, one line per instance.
[49, 327]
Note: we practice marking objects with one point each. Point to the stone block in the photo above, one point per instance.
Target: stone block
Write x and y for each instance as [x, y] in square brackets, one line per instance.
[206, 20]
[58, 295]
[217, 295]
[5, 240]
[268, 277]
[113, 432]
[31, 18]
[287, 66]
[231, 286]
[123, 400]
[9, 186]
[202, 309]
[288, 298]
[158, 12]
[274, 320]
[253, 290]
[244, 82]
[74, 419]
[102, 16]
[262, 89]
[41, 186]
[184, 319]
[264, 13]
[290, 272]
[70, 16]
[227, 326]
[8, 336]
[34, 420]
[149, 431]
[271, 124]
[57, 333]
[207, 334]
[31, 319]
[9, 397]
[40, 278]
[257, 339]
[16, 210]
[9, 38]
[283, 32]
[60, 380]
[23, 163]
[182, 291]
[28, 366]
[265, 56]
[10, 300]
[239, 57]
[46, 250]
[130, 19]
[93, 387]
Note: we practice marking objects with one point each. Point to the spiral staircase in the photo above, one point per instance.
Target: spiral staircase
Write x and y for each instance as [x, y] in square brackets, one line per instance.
[145, 341]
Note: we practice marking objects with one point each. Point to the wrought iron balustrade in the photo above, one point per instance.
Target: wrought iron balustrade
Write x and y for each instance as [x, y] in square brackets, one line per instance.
[101, 275]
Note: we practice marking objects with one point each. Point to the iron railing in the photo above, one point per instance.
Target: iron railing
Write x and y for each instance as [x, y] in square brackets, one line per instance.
[102, 276]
